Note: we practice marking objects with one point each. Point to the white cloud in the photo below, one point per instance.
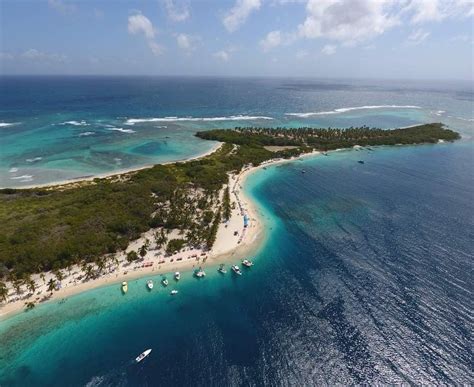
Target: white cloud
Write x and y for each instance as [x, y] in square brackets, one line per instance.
[239, 13]
[176, 13]
[61, 6]
[417, 36]
[347, 21]
[222, 55]
[435, 10]
[302, 54]
[36, 55]
[272, 40]
[187, 42]
[329, 49]
[155, 48]
[140, 24]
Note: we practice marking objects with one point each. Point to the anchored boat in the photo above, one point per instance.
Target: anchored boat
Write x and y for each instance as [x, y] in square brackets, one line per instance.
[221, 269]
[164, 281]
[236, 270]
[149, 284]
[174, 292]
[247, 263]
[177, 276]
[124, 287]
[200, 273]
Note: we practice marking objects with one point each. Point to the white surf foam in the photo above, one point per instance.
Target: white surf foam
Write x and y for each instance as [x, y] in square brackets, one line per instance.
[86, 134]
[13, 170]
[348, 109]
[122, 130]
[75, 123]
[34, 160]
[22, 178]
[5, 124]
[133, 121]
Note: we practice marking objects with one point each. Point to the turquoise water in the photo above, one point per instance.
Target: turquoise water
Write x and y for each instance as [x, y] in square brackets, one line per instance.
[59, 128]
[365, 278]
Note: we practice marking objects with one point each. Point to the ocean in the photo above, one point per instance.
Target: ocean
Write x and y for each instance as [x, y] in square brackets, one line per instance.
[365, 276]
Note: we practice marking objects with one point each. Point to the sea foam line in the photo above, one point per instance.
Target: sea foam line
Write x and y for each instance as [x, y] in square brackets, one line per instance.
[122, 130]
[86, 134]
[133, 121]
[5, 124]
[34, 160]
[22, 178]
[348, 109]
[75, 123]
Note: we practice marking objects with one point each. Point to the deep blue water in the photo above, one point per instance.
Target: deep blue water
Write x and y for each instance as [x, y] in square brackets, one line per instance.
[365, 278]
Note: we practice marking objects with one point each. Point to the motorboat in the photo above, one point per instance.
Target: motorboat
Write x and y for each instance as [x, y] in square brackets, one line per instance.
[174, 292]
[236, 270]
[143, 355]
[247, 263]
[177, 276]
[149, 284]
[200, 273]
[164, 281]
[361, 162]
[222, 269]
[124, 287]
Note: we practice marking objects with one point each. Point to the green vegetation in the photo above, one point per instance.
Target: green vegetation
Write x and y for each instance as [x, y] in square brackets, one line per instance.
[56, 227]
[329, 139]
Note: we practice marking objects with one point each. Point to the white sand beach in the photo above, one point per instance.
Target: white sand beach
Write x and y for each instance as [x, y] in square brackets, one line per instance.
[233, 243]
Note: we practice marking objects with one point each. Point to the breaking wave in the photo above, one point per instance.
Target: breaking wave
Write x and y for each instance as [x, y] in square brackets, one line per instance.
[122, 130]
[133, 121]
[86, 134]
[75, 123]
[348, 109]
[22, 178]
[5, 124]
[34, 160]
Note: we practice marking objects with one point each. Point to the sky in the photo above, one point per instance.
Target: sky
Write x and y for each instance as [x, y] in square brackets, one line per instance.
[406, 39]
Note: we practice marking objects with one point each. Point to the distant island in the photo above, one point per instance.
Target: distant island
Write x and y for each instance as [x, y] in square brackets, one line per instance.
[168, 213]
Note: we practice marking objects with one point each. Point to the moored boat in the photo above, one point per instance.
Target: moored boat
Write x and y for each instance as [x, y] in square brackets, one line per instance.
[199, 273]
[236, 270]
[177, 276]
[124, 287]
[143, 355]
[247, 263]
[222, 269]
[174, 292]
[149, 284]
[164, 281]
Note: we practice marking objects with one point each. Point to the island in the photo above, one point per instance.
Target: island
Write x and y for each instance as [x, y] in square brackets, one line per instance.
[66, 238]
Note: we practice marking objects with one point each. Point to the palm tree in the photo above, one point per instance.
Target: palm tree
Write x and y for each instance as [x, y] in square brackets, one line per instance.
[3, 292]
[29, 305]
[31, 285]
[43, 277]
[100, 264]
[51, 285]
[89, 271]
[17, 284]
[143, 250]
[59, 275]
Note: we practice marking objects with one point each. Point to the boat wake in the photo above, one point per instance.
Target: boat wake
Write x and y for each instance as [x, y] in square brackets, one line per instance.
[348, 109]
[133, 121]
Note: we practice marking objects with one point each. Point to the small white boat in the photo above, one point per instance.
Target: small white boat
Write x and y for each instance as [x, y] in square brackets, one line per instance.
[174, 292]
[143, 355]
[236, 270]
[177, 276]
[149, 284]
[247, 263]
[124, 287]
[221, 269]
[164, 281]
[200, 273]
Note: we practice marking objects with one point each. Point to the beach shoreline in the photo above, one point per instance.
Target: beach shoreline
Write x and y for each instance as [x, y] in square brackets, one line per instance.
[228, 248]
